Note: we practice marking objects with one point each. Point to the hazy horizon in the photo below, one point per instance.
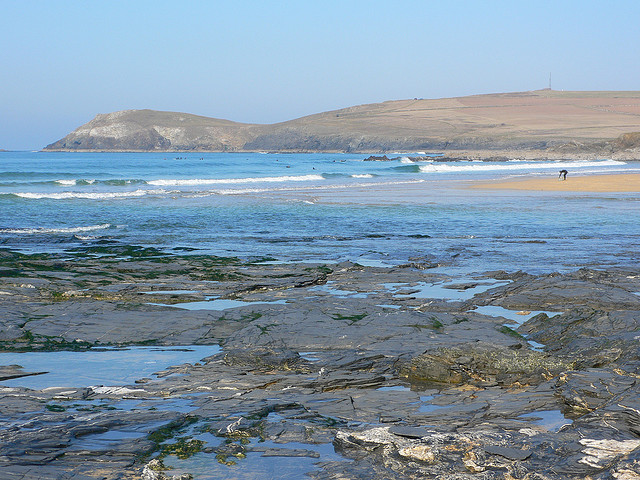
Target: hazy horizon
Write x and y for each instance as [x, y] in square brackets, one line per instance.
[256, 62]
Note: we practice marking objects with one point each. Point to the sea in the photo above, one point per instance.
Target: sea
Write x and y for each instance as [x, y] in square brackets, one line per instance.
[318, 207]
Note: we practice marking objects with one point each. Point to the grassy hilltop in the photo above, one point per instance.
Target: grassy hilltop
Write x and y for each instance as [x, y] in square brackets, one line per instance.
[534, 120]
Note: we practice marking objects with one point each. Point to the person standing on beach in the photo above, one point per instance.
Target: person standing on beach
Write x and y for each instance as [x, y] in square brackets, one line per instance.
[563, 175]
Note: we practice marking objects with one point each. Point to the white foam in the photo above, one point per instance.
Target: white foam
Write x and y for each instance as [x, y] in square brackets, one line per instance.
[512, 165]
[216, 181]
[89, 228]
[89, 195]
[362, 175]
[68, 183]
[241, 191]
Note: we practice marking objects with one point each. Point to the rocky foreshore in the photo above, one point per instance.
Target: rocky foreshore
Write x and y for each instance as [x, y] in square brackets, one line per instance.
[337, 371]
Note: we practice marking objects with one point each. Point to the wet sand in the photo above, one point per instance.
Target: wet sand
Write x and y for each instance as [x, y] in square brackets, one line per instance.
[589, 183]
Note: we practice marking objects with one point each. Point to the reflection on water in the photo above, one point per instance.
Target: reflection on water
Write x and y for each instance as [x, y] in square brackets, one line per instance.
[328, 288]
[450, 290]
[427, 406]
[99, 366]
[518, 317]
[551, 420]
[217, 304]
[395, 388]
[264, 460]
[171, 292]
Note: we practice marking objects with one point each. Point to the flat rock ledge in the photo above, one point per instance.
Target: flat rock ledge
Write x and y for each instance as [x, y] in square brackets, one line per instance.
[345, 371]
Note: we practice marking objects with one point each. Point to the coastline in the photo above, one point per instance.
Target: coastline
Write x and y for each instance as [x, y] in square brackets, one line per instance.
[365, 320]
[628, 182]
[449, 154]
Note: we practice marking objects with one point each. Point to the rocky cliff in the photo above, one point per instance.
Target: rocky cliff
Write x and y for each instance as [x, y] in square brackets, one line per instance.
[528, 120]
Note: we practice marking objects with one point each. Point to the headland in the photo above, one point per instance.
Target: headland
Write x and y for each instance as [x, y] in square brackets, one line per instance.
[545, 122]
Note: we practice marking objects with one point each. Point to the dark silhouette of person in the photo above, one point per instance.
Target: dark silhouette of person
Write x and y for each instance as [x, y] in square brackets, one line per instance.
[563, 174]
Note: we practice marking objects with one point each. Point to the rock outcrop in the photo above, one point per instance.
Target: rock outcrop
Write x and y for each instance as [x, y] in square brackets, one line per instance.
[341, 386]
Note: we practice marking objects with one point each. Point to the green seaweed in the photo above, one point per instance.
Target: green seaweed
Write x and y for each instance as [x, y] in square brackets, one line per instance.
[183, 448]
[434, 325]
[460, 320]
[30, 342]
[322, 269]
[131, 251]
[11, 273]
[56, 408]
[350, 318]
[215, 275]
[143, 343]
[264, 329]
[510, 331]
[167, 432]
[257, 260]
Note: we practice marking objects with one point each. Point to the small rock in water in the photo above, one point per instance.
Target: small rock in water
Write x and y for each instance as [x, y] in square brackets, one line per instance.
[510, 453]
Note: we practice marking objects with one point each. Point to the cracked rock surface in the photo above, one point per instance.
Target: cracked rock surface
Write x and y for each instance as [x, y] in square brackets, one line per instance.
[328, 371]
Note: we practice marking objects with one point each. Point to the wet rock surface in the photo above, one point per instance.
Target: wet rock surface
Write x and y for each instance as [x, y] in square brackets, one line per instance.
[326, 371]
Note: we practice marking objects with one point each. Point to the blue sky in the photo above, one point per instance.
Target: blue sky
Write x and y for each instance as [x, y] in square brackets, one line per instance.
[62, 62]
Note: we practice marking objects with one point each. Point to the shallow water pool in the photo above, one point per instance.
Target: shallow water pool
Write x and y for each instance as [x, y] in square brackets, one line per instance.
[551, 420]
[218, 304]
[99, 366]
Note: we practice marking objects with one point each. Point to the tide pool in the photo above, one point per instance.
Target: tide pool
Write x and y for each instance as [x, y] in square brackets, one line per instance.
[99, 366]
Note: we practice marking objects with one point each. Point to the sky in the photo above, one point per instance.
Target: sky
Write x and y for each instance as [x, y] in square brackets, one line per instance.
[62, 62]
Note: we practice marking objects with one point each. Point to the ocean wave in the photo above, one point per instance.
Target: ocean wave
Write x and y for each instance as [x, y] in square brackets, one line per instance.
[111, 181]
[89, 195]
[244, 191]
[515, 165]
[407, 168]
[216, 181]
[123, 181]
[362, 175]
[66, 182]
[40, 230]
[335, 175]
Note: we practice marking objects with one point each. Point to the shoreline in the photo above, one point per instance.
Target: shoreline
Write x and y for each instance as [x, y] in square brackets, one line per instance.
[599, 183]
[451, 154]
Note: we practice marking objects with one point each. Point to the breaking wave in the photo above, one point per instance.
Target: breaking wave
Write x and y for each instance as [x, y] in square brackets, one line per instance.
[40, 230]
[89, 195]
[216, 181]
[112, 181]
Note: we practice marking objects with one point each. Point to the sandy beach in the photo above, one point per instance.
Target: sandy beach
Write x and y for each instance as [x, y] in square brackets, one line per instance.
[586, 183]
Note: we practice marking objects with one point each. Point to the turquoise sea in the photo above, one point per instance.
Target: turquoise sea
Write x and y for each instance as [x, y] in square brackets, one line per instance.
[317, 207]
